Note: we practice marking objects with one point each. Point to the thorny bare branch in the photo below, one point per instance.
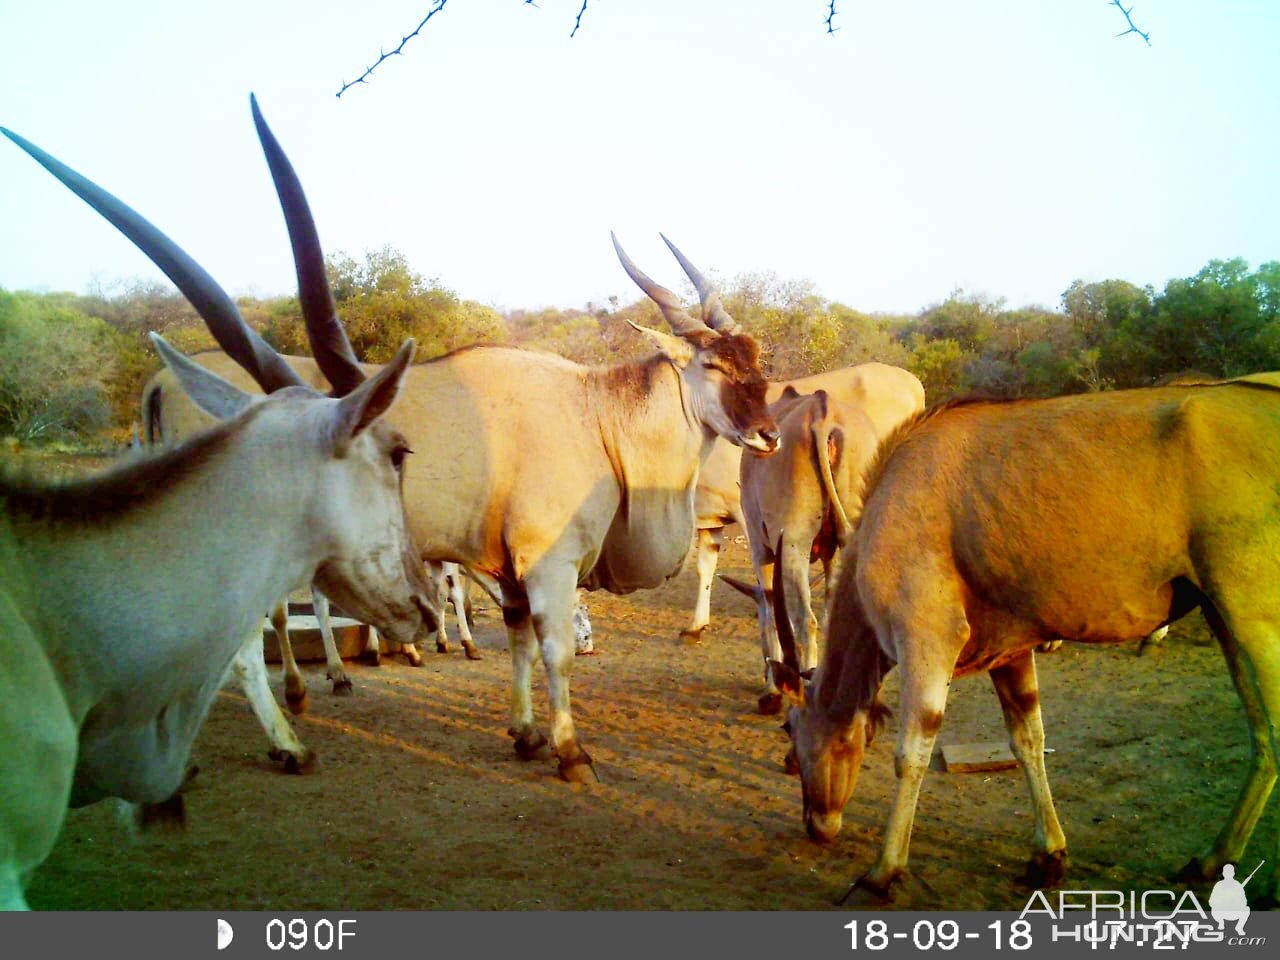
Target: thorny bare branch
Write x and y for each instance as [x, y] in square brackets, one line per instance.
[832, 13]
[578, 22]
[439, 5]
[1132, 27]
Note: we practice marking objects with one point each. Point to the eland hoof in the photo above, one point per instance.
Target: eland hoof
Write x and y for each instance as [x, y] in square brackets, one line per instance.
[880, 891]
[303, 763]
[530, 744]
[578, 769]
[1045, 870]
[371, 658]
[472, 652]
[442, 646]
[769, 704]
[692, 636]
[296, 702]
[300, 765]
[169, 814]
[342, 688]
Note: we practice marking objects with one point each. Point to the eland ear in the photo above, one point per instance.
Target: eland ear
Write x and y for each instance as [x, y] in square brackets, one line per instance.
[675, 349]
[212, 394]
[369, 401]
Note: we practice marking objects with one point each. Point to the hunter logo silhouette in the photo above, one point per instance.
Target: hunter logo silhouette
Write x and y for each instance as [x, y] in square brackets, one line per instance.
[1228, 902]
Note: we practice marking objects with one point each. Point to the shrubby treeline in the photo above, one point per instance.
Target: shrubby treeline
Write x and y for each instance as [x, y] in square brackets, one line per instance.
[72, 367]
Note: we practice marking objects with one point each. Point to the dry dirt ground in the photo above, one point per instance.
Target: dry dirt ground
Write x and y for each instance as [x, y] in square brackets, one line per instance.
[419, 801]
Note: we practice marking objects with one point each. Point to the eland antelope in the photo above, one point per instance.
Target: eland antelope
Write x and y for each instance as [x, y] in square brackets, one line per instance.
[886, 395]
[799, 505]
[126, 596]
[989, 528]
[169, 415]
[573, 476]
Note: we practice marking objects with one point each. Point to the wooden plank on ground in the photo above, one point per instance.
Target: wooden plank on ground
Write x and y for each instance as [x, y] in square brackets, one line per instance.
[977, 757]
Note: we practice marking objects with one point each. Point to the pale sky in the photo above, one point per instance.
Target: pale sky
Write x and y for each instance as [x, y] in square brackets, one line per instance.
[1003, 146]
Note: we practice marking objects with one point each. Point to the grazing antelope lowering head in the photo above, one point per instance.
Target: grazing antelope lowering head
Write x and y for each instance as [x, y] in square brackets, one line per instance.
[990, 528]
[835, 713]
[720, 364]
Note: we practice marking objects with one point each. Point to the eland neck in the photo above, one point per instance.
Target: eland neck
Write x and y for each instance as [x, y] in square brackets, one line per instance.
[127, 574]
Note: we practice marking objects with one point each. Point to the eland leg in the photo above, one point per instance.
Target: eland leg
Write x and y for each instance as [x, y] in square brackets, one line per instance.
[707, 557]
[251, 672]
[1252, 650]
[530, 743]
[927, 661]
[1019, 693]
[438, 578]
[295, 687]
[583, 642]
[769, 703]
[552, 593]
[333, 668]
[1152, 640]
[457, 589]
[804, 625]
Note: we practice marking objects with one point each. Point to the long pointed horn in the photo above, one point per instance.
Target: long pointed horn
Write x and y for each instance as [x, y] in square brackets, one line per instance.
[329, 341]
[751, 590]
[682, 324]
[786, 636]
[714, 314]
[210, 300]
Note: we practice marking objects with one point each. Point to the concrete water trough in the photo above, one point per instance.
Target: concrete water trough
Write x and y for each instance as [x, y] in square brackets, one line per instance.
[350, 636]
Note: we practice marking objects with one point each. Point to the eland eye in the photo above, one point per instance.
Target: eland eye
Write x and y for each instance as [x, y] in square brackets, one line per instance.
[397, 456]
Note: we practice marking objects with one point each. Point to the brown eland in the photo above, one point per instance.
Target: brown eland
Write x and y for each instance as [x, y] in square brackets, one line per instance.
[799, 506]
[989, 528]
[887, 395]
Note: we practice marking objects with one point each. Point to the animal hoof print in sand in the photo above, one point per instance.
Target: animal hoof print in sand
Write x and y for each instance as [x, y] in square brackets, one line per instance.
[342, 688]
[770, 704]
[1046, 870]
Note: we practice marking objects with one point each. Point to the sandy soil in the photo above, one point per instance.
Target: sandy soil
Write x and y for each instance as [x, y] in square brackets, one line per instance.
[419, 801]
